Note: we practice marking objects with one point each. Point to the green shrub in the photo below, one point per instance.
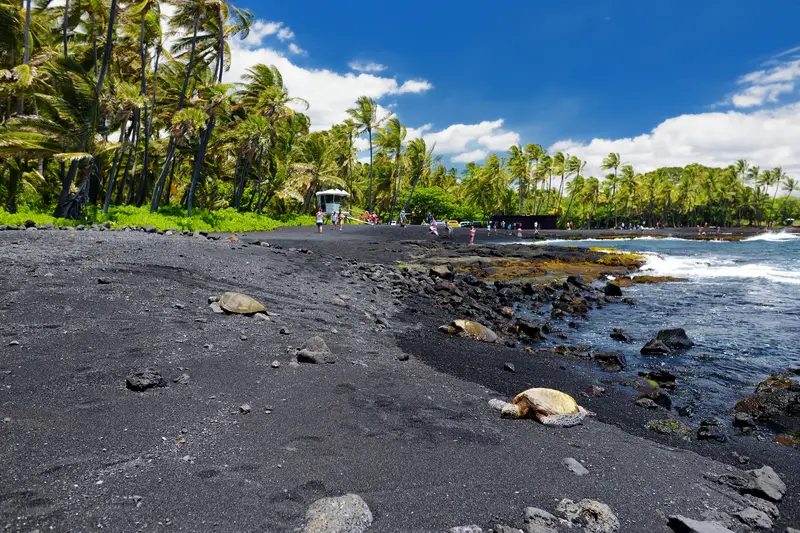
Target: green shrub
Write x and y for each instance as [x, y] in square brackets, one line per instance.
[170, 217]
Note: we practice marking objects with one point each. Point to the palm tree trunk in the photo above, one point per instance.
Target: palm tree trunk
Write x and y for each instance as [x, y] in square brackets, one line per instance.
[66, 182]
[109, 45]
[112, 175]
[181, 99]
[65, 26]
[198, 160]
[396, 187]
[369, 132]
[27, 38]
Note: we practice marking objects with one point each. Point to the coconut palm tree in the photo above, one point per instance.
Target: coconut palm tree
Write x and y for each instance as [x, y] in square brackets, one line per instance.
[612, 161]
[420, 160]
[390, 140]
[365, 115]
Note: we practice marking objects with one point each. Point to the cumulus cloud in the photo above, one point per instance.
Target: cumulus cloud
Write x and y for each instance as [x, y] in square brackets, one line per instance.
[473, 155]
[472, 142]
[328, 92]
[766, 137]
[360, 66]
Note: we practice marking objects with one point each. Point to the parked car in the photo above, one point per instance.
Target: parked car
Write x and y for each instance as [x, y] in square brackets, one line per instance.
[465, 224]
[453, 223]
[477, 224]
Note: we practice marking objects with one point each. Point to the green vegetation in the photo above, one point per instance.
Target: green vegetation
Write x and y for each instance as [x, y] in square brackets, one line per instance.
[222, 220]
[101, 121]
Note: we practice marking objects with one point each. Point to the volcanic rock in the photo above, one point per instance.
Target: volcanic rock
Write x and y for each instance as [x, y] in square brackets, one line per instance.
[145, 379]
[343, 514]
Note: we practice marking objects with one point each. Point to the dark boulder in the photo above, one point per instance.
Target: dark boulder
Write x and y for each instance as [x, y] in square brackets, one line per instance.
[611, 361]
[145, 379]
[655, 347]
[776, 399]
[529, 329]
[577, 280]
[675, 338]
[612, 290]
[664, 379]
[711, 430]
[618, 334]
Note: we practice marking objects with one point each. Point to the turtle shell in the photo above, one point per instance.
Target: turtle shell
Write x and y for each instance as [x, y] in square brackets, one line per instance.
[546, 402]
[236, 302]
[468, 328]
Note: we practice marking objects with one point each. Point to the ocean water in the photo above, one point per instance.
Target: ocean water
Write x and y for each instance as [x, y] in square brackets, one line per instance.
[740, 305]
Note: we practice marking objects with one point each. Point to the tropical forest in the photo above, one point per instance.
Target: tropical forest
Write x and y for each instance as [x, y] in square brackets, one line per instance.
[117, 112]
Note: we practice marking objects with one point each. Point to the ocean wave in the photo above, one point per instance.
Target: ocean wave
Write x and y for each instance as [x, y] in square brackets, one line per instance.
[713, 267]
[780, 236]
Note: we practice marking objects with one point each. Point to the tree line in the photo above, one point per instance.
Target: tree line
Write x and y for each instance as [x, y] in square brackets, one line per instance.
[98, 110]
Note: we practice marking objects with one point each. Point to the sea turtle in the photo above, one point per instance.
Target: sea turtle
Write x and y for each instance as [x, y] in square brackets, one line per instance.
[548, 406]
[236, 302]
[468, 328]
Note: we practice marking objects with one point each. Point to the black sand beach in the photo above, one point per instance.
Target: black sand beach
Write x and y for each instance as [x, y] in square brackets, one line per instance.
[414, 438]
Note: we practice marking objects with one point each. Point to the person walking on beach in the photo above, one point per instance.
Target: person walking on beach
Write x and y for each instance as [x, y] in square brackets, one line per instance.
[519, 230]
[489, 228]
[472, 235]
[320, 220]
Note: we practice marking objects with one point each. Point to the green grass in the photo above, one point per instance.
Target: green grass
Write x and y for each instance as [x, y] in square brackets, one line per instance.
[224, 220]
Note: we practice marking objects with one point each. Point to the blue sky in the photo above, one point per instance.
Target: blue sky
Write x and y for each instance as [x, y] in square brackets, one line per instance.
[660, 82]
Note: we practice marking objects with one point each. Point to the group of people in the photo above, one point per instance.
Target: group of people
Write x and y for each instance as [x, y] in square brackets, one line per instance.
[336, 218]
[515, 227]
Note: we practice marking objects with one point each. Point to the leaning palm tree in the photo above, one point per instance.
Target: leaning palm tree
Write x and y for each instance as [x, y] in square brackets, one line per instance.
[420, 161]
[612, 161]
[365, 115]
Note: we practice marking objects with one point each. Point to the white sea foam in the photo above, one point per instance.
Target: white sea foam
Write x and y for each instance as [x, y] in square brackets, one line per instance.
[713, 267]
[779, 236]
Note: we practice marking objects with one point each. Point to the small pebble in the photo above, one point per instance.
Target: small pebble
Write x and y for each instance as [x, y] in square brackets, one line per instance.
[243, 337]
[13, 343]
[275, 364]
[245, 408]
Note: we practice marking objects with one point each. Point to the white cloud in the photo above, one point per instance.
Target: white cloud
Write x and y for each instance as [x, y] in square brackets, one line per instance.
[767, 85]
[472, 142]
[758, 95]
[499, 141]
[360, 66]
[415, 86]
[329, 93]
[767, 138]
[413, 133]
[455, 138]
[293, 48]
[285, 34]
[473, 155]
[259, 30]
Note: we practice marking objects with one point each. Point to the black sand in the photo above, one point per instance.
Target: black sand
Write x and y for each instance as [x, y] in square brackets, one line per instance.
[415, 439]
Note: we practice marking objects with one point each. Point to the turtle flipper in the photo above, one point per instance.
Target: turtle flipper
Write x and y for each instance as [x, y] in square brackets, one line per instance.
[507, 410]
[563, 421]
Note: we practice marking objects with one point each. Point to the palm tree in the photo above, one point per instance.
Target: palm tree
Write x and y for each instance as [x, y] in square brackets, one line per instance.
[365, 116]
[420, 160]
[390, 140]
[612, 161]
[517, 165]
[777, 177]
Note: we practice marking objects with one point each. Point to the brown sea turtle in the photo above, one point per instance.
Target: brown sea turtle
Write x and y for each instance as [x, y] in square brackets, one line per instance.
[236, 302]
[468, 328]
[548, 406]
